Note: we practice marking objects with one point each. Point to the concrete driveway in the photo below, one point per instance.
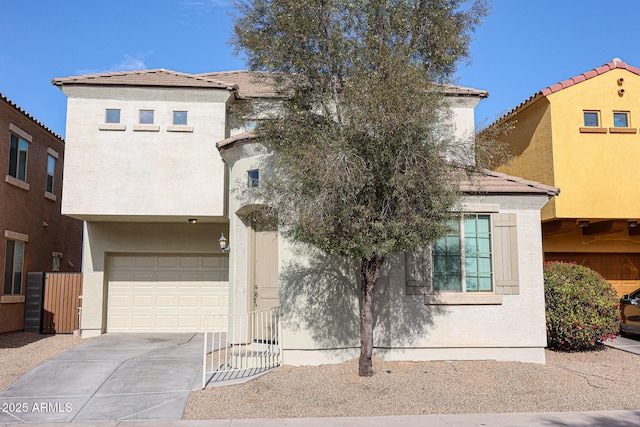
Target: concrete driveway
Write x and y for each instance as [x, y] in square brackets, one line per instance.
[630, 343]
[111, 377]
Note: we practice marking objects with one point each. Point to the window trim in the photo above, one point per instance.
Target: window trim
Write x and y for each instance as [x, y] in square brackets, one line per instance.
[627, 119]
[106, 116]
[9, 270]
[51, 174]
[251, 181]
[462, 237]
[173, 117]
[22, 145]
[153, 116]
[504, 265]
[584, 116]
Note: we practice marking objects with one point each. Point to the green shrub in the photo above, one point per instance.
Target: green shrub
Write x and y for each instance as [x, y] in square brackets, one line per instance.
[582, 309]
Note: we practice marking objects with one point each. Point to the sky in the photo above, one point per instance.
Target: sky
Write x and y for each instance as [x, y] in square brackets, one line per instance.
[522, 47]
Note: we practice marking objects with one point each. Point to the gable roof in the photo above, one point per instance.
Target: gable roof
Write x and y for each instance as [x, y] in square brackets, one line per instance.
[156, 77]
[29, 116]
[616, 63]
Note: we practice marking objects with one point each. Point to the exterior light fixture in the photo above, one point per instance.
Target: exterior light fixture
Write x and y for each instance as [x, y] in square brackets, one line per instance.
[223, 243]
[583, 224]
[193, 220]
[632, 224]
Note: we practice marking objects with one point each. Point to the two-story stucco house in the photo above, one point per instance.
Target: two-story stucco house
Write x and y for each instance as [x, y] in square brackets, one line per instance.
[582, 135]
[154, 161]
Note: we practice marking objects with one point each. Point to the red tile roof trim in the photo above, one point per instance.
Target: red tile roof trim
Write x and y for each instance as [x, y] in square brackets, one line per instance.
[11, 103]
[614, 64]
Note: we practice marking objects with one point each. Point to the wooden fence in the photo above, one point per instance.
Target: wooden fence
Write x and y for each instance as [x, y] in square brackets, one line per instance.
[54, 307]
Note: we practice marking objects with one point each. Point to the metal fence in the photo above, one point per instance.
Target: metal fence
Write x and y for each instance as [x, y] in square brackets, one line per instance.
[251, 345]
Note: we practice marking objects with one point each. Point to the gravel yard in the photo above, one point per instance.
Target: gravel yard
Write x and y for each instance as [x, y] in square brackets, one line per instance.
[601, 380]
[22, 351]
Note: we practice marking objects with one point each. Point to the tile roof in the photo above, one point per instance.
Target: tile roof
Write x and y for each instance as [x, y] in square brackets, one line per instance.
[465, 91]
[491, 182]
[156, 77]
[251, 84]
[21, 111]
[239, 138]
[616, 63]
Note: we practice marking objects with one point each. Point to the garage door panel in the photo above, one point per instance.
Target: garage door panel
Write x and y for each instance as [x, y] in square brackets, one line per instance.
[165, 293]
[142, 261]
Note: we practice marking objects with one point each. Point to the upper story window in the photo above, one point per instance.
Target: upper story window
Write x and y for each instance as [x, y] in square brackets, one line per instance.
[620, 119]
[179, 118]
[18, 158]
[592, 118]
[51, 171]
[462, 259]
[146, 117]
[112, 116]
[13, 263]
[253, 178]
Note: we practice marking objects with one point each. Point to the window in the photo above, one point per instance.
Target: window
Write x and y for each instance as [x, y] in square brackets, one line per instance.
[18, 158]
[179, 118]
[51, 170]
[14, 256]
[146, 117]
[620, 119]
[112, 116]
[462, 259]
[253, 178]
[591, 119]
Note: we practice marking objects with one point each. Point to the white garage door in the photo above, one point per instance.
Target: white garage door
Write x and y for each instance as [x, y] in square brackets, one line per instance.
[164, 292]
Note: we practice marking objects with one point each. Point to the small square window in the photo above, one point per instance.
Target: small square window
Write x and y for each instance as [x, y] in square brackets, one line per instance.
[253, 178]
[146, 117]
[112, 116]
[591, 119]
[179, 118]
[621, 119]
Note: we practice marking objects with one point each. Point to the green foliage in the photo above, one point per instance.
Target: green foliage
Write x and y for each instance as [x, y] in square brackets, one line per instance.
[582, 308]
[365, 162]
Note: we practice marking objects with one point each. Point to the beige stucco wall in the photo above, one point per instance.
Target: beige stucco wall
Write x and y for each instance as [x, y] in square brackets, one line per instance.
[101, 239]
[319, 295]
[123, 173]
[321, 321]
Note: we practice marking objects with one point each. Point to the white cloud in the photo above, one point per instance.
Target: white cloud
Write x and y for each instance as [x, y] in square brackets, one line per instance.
[131, 62]
[205, 6]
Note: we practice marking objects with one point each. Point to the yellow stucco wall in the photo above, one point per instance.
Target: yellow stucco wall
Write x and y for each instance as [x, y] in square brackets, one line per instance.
[530, 144]
[597, 173]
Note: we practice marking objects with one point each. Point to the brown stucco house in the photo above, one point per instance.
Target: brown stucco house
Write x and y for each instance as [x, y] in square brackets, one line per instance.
[36, 237]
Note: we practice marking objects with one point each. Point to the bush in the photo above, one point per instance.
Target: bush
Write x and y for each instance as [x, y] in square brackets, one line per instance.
[582, 308]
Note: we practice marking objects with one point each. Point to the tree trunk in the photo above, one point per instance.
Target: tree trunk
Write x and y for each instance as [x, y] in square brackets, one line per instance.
[369, 272]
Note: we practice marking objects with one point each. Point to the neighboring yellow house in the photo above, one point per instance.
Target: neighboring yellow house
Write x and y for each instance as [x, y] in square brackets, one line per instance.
[581, 135]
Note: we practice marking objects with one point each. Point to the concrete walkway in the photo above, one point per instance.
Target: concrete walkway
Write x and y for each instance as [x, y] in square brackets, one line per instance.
[582, 419]
[630, 344]
[111, 377]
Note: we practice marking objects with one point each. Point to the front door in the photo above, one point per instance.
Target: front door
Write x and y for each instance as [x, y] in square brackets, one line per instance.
[265, 267]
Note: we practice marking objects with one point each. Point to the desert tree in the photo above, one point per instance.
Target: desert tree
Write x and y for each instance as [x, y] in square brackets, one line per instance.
[364, 163]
